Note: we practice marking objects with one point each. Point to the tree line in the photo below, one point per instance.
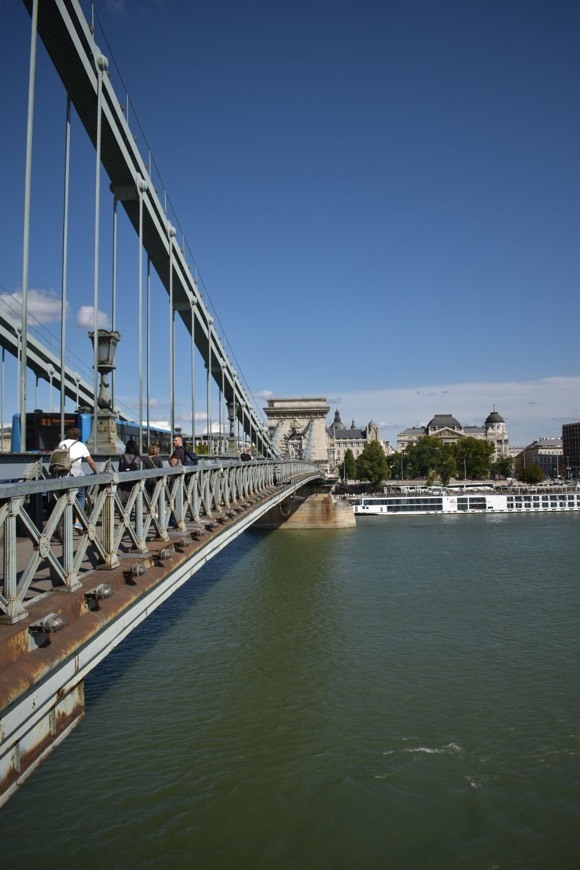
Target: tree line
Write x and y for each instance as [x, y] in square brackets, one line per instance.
[428, 458]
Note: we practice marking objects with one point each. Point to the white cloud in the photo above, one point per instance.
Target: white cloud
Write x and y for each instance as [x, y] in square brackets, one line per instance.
[215, 427]
[86, 318]
[43, 306]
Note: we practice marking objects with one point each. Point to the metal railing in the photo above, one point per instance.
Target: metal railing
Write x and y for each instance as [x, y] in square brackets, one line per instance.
[123, 512]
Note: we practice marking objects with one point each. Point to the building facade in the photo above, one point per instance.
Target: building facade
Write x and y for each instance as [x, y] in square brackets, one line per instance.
[545, 452]
[571, 448]
[341, 439]
[449, 430]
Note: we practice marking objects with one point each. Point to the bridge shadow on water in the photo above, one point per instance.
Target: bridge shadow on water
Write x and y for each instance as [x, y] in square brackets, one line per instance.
[167, 615]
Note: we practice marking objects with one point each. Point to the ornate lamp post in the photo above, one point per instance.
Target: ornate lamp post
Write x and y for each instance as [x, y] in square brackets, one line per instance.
[104, 438]
[231, 446]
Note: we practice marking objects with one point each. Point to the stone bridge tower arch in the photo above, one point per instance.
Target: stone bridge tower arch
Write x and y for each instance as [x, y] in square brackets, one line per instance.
[298, 428]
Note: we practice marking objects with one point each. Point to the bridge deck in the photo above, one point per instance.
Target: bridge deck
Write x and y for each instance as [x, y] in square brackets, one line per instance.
[67, 600]
[46, 594]
[163, 521]
[44, 580]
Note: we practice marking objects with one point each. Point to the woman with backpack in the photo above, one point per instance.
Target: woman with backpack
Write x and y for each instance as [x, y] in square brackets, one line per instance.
[77, 452]
[129, 461]
[131, 458]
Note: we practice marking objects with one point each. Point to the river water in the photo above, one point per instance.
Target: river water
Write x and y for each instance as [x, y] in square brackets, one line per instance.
[399, 695]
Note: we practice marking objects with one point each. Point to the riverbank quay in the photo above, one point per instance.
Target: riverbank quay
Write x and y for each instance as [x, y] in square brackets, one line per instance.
[69, 597]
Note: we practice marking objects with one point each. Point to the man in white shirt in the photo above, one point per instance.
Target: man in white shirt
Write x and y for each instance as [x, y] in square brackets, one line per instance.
[78, 452]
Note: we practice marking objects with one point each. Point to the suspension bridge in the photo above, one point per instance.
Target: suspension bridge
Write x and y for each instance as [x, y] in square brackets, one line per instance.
[77, 580]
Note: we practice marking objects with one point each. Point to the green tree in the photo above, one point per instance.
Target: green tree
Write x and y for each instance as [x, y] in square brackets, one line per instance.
[447, 466]
[397, 465]
[347, 467]
[372, 465]
[423, 458]
[473, 457]
[502, 467]
[532, 473]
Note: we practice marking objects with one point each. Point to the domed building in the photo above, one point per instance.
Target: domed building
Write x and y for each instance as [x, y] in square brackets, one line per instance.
[450, 430]
[444, 426]
[495, 431]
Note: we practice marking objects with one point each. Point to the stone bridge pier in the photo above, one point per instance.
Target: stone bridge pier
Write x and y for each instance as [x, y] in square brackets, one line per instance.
[313, 507]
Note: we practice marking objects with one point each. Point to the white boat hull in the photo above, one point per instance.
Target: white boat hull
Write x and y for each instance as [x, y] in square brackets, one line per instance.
[473, 502]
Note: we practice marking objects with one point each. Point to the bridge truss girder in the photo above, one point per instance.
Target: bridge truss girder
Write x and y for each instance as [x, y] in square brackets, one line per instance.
[45, 364]
[71, 46]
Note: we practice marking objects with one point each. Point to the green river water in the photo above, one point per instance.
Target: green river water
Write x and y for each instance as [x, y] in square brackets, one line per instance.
[399, 695]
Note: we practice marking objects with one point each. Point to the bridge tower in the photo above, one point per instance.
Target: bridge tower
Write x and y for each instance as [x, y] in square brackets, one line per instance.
[298, 428]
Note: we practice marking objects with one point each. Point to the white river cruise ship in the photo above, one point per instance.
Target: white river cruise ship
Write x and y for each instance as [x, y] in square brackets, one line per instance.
[470, 502]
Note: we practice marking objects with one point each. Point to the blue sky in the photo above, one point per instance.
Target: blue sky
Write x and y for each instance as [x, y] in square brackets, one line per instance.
[383, 198]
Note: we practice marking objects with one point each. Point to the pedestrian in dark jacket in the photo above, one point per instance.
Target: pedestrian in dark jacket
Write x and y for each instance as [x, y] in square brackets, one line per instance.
[129, 461]
[178, 455]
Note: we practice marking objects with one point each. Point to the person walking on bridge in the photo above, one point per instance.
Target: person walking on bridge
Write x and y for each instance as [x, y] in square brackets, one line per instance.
[129, 461]
[181, 455]
[153, 458]
[178, 455]
[78, 452]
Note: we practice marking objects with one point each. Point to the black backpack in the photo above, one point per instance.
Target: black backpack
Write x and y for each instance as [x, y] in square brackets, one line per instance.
[189, 458]
[129, 462]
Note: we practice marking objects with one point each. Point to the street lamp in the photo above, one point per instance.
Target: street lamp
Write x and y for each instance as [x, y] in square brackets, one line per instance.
[105, 425]
[231, 409]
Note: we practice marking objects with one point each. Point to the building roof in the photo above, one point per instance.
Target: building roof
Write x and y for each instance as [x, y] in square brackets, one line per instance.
[494, 417]
[555, 443]
[337, 422]
[338, 430]
[444, 421]
[347, 434]
[413, 430]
